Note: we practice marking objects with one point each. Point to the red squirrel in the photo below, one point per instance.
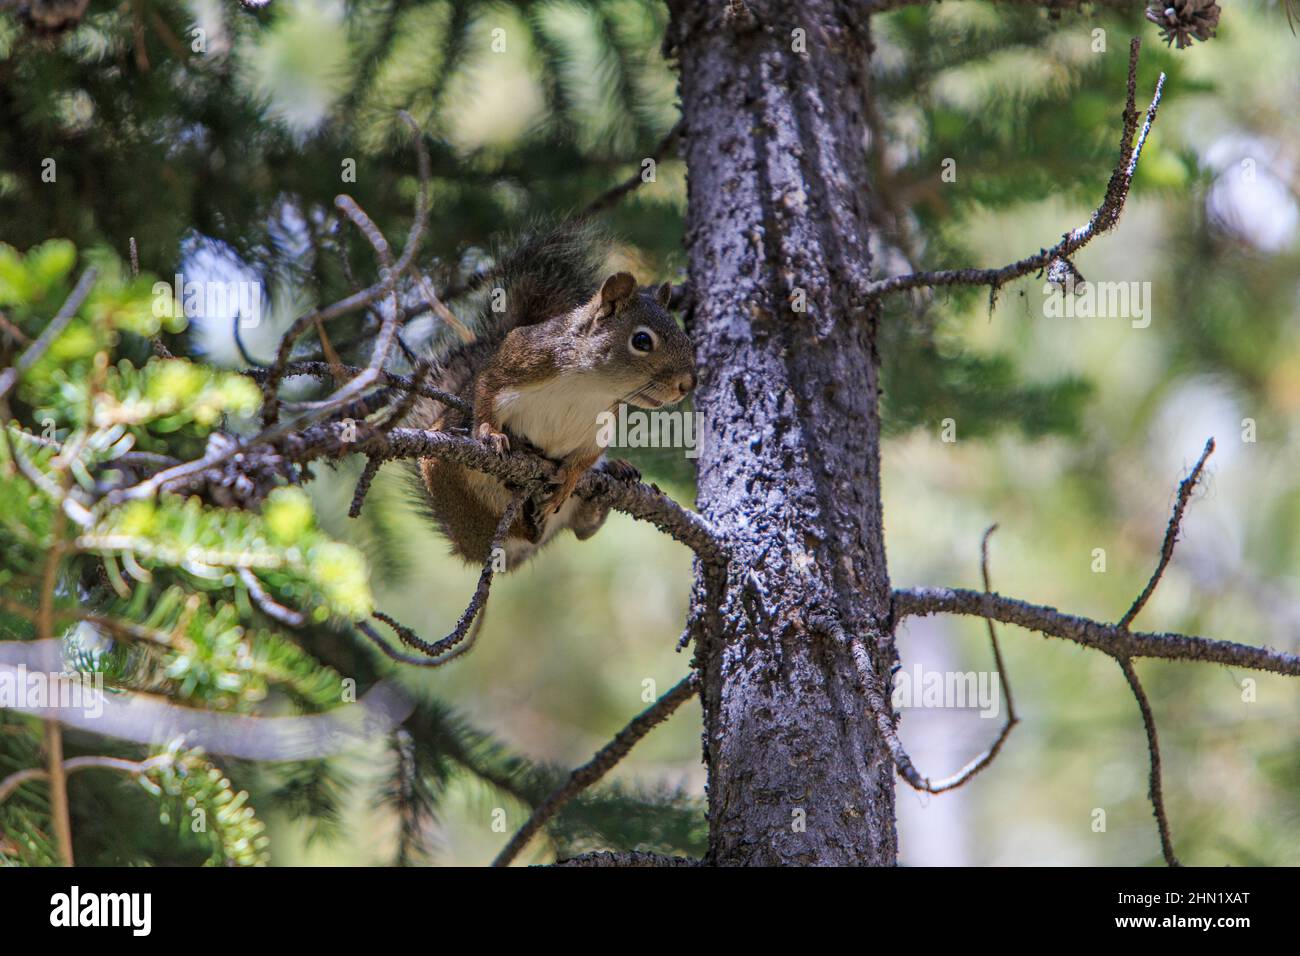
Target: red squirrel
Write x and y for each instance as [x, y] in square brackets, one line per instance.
[570, 343]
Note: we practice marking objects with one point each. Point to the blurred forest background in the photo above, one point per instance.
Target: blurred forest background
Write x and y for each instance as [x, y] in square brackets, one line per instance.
[1071, 433]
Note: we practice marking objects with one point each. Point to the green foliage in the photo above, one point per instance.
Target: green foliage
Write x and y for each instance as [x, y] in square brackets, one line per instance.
[173, 592]
[241, 147]
[196, 798]
[176, 587]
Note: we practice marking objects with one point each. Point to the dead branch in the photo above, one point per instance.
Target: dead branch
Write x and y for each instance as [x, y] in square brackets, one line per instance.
[269, 606]
[1108, 638]
[440, 647]
[993, 634]
[1053, 6]
[1155, 788]
[879, 700]
[363, 486]
[324, 370]
[390, 272]
[599, 765]
[1155, 791]
[1115, 640]
[611, 197]
[526, 471]
[1103, 218]
[413, 660]
[1185, 488]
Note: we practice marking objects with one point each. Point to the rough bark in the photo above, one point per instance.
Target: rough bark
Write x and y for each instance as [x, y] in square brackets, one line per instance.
[775, 144]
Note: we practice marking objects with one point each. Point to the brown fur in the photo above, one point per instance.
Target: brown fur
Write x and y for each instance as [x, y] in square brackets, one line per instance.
[547, 374]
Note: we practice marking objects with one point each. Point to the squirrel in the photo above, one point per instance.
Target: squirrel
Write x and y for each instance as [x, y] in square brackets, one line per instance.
[566, 347]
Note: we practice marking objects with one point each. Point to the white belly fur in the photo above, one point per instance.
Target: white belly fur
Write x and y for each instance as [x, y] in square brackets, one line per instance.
[559, 416]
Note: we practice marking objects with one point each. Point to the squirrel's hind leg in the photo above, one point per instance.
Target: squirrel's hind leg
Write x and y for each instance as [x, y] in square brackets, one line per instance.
[569, 476]
[588, 516]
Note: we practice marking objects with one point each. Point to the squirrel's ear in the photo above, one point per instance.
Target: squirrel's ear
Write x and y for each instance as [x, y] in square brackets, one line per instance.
[664, 293]
[615, 289]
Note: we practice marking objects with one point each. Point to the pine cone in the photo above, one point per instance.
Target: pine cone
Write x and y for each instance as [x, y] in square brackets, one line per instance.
[242, 480]
[1184, 20]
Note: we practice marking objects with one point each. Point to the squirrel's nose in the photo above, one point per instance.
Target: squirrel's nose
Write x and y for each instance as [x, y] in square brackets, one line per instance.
[686, 382]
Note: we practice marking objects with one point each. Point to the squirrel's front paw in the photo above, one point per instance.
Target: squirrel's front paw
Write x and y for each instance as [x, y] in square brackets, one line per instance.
[498, 440]
[621, 468]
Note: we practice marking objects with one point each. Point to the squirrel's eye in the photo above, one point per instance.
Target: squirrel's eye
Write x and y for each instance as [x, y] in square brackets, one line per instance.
[642, 341]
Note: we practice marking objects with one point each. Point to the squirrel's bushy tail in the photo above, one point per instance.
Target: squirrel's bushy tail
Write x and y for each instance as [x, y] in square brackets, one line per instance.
[552, 269]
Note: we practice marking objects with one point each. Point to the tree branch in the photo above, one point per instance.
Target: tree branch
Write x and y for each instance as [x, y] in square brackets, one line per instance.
[438, 650]
[1185, 488]
[599, 765]
[1154, 789]
[1103, 218]
[394, 654]
[610, 197]
[885, 6]
[1108, 638]
[522, 469]
[386, 286]
[12, 782]
[630, 858]
[879, 702]
[324, 370]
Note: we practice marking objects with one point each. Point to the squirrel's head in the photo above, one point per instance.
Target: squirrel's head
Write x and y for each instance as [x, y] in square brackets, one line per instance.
[643, 350]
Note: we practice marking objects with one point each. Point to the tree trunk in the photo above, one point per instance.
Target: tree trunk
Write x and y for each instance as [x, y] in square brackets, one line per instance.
[775, 142]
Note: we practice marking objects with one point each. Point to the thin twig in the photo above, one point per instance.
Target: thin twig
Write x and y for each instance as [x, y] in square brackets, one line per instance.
[879, 704]
[413, 660]
[1103, 218]
[59, 809]
[325, 369]
[881, 707]
[1185, 489]
[12, 782]
[1154, 789]
[993, 634]
[363, 486]
[440, 647]
[884, 6]
[268, 605]
[440, 309]
[13, 331]
[390, 272]
[611, 196]
[9, 377]
[604, 760]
